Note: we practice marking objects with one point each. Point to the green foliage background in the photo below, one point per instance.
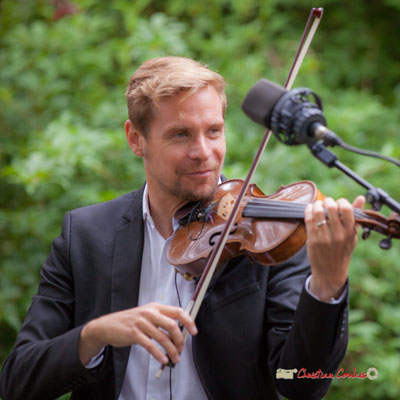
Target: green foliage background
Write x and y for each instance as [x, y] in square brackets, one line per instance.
[62, 111]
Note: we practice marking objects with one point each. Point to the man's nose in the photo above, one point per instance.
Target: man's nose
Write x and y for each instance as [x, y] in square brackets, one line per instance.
[200, 148]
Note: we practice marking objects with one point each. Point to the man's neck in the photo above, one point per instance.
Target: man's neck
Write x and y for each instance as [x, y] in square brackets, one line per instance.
[162, 211]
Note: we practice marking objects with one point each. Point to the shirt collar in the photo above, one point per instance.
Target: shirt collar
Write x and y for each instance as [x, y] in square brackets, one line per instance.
[146, 207]
[146, 211]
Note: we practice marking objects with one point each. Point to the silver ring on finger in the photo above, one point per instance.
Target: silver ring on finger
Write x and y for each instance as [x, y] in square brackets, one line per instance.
[322, 222]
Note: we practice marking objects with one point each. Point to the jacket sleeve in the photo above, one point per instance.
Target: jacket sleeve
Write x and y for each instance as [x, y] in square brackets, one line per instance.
[44, 362]
[303, 334]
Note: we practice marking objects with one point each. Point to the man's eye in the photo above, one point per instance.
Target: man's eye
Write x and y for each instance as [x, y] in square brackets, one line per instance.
[180, 134]
[216, 131]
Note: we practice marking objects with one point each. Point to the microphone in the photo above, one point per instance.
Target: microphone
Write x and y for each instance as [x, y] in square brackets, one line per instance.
[291, 116]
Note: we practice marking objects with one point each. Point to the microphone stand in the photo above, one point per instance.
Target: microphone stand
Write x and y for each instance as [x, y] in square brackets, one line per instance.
[375, 196]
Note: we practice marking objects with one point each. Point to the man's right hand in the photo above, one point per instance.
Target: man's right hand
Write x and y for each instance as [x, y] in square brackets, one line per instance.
[138, 325]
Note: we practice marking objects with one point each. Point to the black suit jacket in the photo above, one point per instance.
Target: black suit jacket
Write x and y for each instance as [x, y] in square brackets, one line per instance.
[254, 319]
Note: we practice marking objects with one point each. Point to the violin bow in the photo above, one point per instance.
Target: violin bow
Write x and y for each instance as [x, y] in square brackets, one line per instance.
[193, 307]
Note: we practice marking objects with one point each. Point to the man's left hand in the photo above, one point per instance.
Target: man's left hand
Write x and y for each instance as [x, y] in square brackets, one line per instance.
[331, 239]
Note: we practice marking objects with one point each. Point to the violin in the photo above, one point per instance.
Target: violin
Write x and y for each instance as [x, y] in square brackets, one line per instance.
[267, 229]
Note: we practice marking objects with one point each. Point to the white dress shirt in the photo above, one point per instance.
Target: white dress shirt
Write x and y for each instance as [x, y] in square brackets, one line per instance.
[157, 284]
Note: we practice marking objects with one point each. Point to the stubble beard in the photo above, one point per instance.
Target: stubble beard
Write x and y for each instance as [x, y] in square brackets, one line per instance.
[184, 193]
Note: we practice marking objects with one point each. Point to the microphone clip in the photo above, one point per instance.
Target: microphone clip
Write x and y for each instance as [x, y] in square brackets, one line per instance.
[293, 116]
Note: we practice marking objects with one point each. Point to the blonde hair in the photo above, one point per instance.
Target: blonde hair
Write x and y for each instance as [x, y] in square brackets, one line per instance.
[165, 77]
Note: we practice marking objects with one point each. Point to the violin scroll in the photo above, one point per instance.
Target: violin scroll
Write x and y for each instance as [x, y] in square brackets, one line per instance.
[393, 231]
[373, 220]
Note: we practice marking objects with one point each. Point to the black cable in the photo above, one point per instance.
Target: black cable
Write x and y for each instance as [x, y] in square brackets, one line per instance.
[177, 291]
[170, 384]
[180, 305]
[368, 153]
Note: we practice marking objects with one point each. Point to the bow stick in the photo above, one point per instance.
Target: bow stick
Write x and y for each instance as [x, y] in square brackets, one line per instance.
[193, 307]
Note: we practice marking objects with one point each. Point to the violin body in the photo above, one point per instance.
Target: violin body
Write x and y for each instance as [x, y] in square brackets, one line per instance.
[265, 242]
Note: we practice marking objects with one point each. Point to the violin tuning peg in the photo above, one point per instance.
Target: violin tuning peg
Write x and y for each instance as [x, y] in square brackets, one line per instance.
[366, 233]
[386, 243]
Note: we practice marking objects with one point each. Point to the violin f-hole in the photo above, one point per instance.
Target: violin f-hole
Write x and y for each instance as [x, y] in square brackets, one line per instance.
[211, 241]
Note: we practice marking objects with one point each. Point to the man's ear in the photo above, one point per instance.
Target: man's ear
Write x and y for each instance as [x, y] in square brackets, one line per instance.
[135, 138]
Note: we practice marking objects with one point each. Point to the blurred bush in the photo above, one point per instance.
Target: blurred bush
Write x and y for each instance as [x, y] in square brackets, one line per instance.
[64, 66]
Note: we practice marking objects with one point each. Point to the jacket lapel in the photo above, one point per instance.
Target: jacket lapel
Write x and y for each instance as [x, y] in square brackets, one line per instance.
[126, 269]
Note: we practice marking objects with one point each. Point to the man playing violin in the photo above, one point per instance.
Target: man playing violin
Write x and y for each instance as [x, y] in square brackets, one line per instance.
[108, 304]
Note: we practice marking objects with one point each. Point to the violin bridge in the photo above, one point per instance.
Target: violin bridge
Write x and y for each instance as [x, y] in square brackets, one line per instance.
[225, 206]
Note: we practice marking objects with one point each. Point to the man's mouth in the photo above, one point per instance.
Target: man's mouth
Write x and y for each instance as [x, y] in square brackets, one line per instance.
[201, 174]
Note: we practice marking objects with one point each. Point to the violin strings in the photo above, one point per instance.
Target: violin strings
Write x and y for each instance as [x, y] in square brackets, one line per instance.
[286, 205]
[268, 208]
[278, 203]
[282, 209]
[274, 209]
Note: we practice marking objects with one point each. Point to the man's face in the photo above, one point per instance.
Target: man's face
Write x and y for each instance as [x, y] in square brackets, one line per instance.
[185, 146]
